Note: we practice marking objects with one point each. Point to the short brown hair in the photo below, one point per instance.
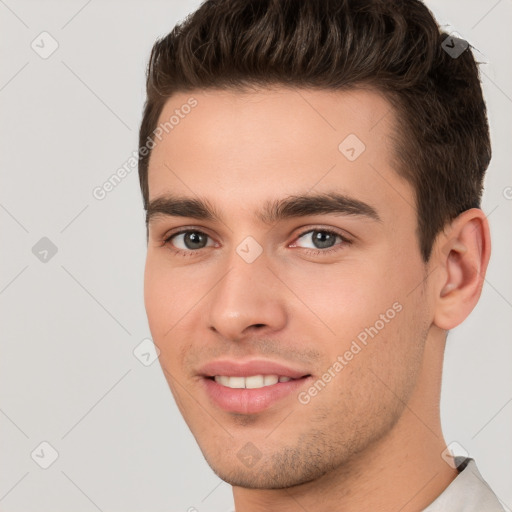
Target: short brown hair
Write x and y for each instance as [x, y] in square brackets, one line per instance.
[394, 46]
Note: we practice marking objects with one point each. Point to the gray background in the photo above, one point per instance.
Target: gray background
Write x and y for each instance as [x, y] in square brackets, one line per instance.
[70, 324]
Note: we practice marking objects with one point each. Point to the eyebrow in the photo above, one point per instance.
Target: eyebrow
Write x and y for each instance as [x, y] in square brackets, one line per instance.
[273, 210]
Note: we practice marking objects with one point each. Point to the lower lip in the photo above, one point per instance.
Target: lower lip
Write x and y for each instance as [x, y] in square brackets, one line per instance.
[250, 401]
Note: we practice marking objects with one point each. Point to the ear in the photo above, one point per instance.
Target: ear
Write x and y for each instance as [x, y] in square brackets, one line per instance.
[462, 252]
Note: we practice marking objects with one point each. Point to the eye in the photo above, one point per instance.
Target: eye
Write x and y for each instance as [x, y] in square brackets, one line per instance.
[189, 240]
[321, 240]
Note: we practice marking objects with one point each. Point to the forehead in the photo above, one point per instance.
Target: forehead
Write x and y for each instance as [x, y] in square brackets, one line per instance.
[243, 148]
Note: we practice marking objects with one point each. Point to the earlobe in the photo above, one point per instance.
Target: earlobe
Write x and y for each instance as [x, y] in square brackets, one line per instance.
[463, 254]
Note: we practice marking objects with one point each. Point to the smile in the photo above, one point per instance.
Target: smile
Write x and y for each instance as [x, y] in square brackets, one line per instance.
[250, 382]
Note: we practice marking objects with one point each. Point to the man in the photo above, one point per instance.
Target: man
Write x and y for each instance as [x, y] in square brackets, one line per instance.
[312, 174]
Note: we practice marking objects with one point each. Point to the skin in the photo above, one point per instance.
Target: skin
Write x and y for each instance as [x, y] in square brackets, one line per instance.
[371, 439]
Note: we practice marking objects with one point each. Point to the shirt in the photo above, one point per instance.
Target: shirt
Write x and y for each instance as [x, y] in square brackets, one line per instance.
[469, 492]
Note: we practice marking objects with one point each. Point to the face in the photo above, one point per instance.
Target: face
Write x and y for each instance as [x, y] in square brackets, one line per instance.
[285, 296]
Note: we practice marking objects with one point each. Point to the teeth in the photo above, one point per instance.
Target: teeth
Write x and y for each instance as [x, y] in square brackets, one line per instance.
[271, 380]
[222, 380]
[251, 382]
[255, 381]
[236, 382]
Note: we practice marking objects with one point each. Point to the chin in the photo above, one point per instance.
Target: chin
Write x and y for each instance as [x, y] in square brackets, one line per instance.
[265, 474]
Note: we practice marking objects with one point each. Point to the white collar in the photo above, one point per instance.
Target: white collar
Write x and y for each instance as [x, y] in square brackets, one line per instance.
[469, 492]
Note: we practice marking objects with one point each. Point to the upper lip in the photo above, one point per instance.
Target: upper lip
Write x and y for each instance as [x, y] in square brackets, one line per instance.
[248, 368]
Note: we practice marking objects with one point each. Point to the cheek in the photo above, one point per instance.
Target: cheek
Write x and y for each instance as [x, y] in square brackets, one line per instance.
[371, 370]
[164, 297]
[155, 298]
[368, 316]
[171, 298]
[347, 297]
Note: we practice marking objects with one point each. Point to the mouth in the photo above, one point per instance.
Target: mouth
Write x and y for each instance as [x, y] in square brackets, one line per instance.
[251, 387]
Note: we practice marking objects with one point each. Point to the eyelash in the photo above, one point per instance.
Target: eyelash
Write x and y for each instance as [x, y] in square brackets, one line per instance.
[311, 252]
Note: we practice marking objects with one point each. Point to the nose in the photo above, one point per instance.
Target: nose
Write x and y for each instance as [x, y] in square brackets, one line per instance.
[247, 299]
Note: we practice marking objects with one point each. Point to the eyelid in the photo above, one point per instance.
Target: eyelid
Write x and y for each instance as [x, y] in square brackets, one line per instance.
[184, 229]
